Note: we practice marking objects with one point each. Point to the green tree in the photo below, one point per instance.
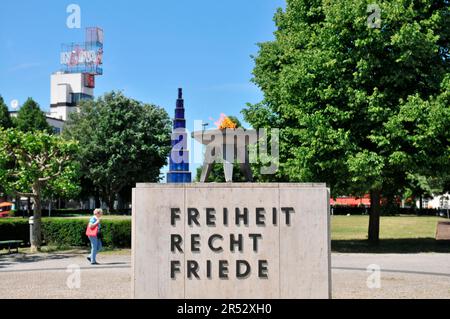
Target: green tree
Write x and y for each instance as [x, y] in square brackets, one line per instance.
[122, 142]
[423, 126]
[5, 122]
[30, 118]
[36, 165]
[236, 121]
[357, 105]
[5, 119]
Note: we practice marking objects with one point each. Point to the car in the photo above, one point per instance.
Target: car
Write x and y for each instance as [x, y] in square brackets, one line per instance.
[5, 209]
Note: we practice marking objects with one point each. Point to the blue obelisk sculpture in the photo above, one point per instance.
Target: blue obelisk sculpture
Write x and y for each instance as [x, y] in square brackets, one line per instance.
[179, 156]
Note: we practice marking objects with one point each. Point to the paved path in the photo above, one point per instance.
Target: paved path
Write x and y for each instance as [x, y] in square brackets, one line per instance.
[402, 275]
[47, 275]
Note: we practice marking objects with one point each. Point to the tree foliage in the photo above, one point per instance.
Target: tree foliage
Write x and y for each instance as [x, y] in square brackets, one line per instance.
[122, 142]
[5, 123]
[37, 165]
[363, 109]
[30, 118]
[5, 119]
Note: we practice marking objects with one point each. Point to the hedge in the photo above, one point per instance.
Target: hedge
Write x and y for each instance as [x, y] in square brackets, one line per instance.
[14, 229]
[68, 232]
[67, 212]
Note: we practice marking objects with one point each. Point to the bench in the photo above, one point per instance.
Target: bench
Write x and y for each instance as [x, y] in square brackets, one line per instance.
[11, 244]
[443, 231]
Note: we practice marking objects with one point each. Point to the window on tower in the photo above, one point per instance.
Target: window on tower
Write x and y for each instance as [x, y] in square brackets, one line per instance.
[77, 97]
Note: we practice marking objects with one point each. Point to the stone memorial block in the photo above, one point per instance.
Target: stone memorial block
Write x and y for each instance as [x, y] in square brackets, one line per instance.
[231, 240]
[443, 231]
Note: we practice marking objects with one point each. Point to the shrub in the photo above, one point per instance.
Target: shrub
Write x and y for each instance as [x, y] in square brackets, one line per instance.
[68, 213]
[64, 232]
[14, 229]
[117, 233]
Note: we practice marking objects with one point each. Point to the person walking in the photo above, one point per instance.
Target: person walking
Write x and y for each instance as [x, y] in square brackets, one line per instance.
[93, 231]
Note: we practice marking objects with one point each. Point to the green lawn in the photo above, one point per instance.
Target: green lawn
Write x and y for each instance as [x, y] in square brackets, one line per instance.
[400, 234]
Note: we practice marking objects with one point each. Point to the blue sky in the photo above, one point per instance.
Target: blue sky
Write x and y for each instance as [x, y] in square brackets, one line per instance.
[151, 48]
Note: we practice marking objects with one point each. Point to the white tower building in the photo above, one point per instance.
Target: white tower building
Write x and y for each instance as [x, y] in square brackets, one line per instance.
[81, 63]
[67, 90]
[76, 82]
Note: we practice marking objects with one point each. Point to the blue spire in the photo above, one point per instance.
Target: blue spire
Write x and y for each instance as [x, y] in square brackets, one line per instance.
[179, 156]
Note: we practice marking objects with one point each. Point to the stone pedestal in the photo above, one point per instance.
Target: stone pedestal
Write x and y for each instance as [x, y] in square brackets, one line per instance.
[231, 241]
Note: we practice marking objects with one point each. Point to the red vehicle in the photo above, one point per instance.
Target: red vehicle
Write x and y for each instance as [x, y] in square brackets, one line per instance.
[351, 201]
[5, 209]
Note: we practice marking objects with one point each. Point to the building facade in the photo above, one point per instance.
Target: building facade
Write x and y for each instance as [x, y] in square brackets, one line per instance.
[67, 90]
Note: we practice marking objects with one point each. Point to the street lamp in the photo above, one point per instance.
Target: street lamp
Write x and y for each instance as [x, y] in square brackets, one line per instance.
[204, 125]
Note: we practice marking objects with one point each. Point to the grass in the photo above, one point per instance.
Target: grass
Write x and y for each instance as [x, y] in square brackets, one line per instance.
[397, 227]
[399, 234]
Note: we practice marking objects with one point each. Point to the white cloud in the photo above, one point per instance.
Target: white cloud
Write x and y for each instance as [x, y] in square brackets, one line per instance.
[24, 66]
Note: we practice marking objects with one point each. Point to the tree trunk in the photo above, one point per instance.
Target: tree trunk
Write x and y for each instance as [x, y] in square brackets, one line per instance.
[28, 206]
[98, 202]
[36, 240]
[18, 208]
[110, 201]
[374, 217]
[119, 203]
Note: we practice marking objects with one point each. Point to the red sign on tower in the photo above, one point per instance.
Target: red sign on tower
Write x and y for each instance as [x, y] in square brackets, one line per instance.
[89, 80]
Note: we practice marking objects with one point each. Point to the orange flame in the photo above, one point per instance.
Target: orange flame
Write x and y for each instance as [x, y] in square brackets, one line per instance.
[225, 122]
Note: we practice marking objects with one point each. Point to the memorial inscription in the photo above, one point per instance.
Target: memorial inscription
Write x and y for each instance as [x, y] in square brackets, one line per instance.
[216, 242]
[231, 241]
